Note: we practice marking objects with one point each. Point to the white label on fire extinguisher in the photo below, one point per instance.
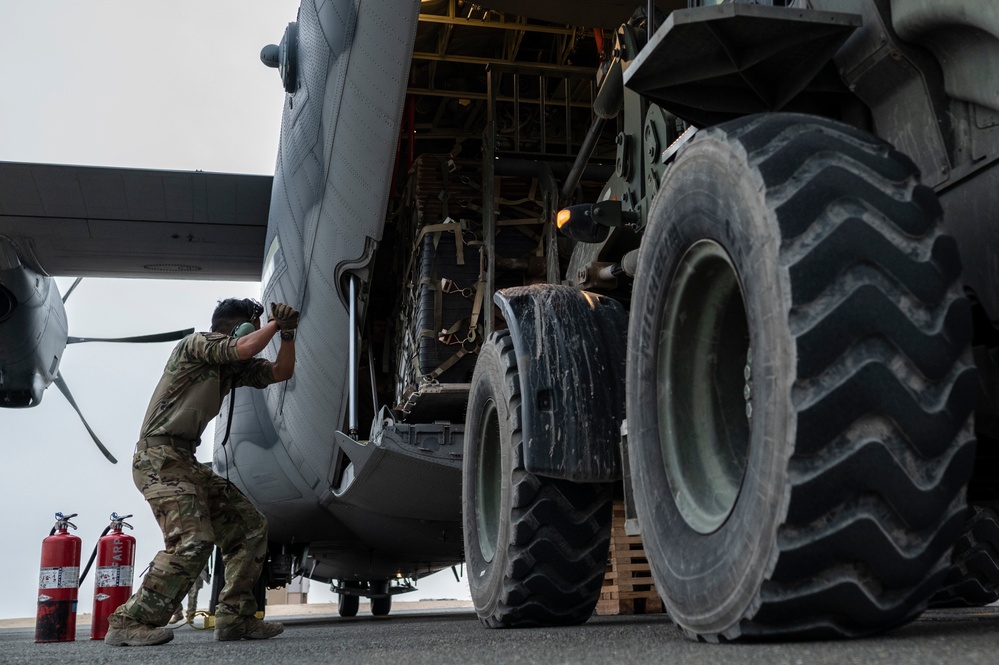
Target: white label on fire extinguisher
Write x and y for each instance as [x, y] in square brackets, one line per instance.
[59, 578]
[113, 576]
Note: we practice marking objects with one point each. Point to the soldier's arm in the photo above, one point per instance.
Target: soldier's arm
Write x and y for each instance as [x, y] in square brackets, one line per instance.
[284, 365]
[250, 345]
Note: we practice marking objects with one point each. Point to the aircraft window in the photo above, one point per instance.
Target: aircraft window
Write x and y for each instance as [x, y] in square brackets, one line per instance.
[270, 262]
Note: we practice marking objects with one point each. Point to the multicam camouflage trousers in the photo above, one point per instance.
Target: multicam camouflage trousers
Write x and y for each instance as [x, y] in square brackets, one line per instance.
[196, 509]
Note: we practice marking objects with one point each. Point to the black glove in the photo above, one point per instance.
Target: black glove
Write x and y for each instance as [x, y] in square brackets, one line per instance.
[285, 316]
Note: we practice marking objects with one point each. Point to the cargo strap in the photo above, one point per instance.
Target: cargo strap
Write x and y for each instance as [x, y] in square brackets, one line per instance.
[440, 287]
[447, 226]
[449, 336]
[447, 364]
[469, 345]
[449, 286]
[431, 282]
[451, 227]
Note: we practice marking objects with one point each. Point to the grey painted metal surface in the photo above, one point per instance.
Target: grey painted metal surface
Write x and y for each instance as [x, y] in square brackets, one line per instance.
[115, 222]
[338, 145]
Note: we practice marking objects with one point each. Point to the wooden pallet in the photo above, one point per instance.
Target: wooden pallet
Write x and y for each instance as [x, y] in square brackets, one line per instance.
[628, 587]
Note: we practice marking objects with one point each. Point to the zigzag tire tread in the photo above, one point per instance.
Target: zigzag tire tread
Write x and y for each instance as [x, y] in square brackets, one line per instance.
[973, 578]
[897, 556]
[556, 563]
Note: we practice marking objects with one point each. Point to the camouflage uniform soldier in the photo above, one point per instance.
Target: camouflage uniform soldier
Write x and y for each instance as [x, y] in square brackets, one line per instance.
[192, 597]
[195, 508]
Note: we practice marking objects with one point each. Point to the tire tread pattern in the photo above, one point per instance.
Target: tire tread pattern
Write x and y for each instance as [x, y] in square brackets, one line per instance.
[560, 535]
[973, 579]
[885, 383]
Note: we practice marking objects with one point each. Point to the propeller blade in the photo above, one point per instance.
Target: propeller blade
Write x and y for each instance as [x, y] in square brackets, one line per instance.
[142, 339]
[75, 284]
[72, 402]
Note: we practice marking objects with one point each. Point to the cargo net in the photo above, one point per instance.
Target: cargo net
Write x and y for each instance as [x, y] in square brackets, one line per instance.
[443, 304]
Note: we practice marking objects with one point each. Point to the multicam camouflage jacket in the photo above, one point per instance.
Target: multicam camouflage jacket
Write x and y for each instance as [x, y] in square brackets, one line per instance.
[202, 368]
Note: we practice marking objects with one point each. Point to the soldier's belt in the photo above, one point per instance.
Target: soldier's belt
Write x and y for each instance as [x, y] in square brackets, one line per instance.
[153, 441]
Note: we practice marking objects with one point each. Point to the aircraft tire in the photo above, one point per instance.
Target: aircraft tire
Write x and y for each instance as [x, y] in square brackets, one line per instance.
[382, 605]
[799, 384]
[535, 547]
[347, 604]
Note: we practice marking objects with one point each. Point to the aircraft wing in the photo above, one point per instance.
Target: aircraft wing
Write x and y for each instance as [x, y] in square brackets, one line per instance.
[119, 222]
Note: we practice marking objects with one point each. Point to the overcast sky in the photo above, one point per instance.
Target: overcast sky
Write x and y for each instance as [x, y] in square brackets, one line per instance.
[133, 83]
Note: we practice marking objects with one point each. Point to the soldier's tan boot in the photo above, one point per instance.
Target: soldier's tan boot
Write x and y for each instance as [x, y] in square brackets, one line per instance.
[124, 631]
[236, 627]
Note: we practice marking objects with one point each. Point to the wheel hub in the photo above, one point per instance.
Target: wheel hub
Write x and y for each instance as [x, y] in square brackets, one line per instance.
[704, 387]
[488, 483]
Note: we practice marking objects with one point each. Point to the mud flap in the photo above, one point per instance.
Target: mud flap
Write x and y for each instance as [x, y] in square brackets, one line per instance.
[570, 347]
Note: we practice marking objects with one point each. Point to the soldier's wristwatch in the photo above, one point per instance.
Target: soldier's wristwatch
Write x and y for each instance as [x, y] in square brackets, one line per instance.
[287, 335]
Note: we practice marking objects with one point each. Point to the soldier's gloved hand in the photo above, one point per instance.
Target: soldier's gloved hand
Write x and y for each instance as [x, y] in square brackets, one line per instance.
[285, 316]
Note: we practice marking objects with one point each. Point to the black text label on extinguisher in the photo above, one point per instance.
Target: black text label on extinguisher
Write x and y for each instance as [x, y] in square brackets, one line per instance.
[60, 578]
[114, 576]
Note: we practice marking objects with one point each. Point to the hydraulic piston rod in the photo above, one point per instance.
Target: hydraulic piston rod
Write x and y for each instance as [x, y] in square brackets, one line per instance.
[352, 366]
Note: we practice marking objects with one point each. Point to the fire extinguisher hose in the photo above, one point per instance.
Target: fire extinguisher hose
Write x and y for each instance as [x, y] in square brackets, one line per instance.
[93, 554]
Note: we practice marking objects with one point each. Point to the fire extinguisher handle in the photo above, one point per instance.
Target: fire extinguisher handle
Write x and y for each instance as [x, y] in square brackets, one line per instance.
[118, 521]
[62, 522]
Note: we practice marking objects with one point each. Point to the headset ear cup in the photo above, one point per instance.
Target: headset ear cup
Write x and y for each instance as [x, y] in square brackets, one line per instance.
[244, 328]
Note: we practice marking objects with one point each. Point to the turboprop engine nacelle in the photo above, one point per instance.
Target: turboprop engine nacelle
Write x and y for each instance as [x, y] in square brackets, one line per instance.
[33, 332]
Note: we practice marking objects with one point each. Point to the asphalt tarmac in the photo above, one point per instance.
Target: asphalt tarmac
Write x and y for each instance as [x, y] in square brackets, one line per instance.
[445, 636]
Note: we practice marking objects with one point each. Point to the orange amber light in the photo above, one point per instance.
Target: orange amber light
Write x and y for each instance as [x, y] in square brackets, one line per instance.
[563, 217]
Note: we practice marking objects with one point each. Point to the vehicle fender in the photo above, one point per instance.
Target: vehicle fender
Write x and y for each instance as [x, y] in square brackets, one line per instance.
[570, 347]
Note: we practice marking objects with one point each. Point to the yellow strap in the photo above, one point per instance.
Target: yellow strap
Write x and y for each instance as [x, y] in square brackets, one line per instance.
[453, 227]
[204, 625]
[447, 364]
[448, 337]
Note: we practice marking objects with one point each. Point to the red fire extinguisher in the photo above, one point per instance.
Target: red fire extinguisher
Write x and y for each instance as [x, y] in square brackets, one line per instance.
[115, 565]
[58, 584]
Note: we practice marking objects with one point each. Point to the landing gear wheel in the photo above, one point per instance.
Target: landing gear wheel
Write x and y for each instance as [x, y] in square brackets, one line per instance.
[381, 605]
[799, 384]
[973, 580]
[536, 547]
[347, 604]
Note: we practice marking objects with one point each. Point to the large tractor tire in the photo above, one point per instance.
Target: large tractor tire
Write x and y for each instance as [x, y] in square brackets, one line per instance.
[973, 580]
[799, 384]
[535, 547]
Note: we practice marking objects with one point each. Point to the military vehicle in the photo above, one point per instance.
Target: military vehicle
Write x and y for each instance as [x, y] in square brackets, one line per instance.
[732, 263]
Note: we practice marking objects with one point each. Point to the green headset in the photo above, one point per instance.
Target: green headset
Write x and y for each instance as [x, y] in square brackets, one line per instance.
[254, 310]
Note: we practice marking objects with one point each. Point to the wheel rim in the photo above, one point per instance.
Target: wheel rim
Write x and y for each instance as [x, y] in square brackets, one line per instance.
[704, 387]
[488, 487]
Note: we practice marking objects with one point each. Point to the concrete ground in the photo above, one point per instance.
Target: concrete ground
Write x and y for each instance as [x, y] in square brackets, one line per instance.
[420, 633]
